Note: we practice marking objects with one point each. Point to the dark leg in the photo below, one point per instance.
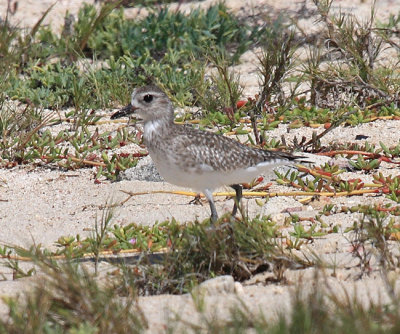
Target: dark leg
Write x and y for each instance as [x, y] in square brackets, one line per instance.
[238, 189]
[214, 214]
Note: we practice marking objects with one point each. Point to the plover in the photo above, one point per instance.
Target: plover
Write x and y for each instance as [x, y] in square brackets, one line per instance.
[197, 159]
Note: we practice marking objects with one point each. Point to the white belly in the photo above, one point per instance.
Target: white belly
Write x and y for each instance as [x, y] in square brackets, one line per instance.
[210, 178]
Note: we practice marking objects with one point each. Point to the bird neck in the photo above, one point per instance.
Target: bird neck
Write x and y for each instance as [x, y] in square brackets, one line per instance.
[157, 128]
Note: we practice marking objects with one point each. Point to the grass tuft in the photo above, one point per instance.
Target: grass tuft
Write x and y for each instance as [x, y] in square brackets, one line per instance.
[69, 298]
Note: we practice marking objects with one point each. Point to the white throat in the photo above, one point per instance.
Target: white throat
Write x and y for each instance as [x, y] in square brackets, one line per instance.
[152, 128]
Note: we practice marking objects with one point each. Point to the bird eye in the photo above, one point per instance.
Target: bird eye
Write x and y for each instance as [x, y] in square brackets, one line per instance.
[148, 98]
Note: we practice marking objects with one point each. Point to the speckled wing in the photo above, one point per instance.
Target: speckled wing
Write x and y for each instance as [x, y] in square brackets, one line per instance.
[206, 151]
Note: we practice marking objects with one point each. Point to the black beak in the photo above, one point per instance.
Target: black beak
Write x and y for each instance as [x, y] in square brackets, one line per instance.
[125, 111]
